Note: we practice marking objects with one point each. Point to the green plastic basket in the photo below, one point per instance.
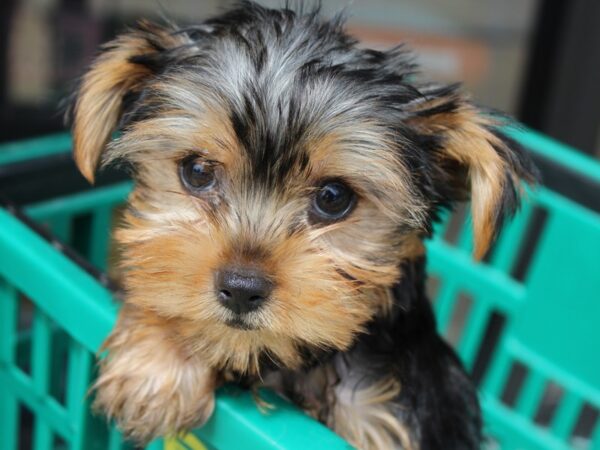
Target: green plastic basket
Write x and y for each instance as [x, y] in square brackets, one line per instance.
[539, 370]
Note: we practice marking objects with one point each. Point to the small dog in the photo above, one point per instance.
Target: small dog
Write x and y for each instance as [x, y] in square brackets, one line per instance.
[285, 179]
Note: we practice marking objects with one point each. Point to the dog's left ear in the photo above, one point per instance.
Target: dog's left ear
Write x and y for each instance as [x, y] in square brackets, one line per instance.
[474, 158]
[118, 73]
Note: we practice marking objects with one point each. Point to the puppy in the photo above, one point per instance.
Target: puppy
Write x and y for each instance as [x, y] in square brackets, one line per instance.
[285, 179]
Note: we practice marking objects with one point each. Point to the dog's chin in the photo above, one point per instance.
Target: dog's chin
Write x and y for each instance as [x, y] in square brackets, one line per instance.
[240, 323]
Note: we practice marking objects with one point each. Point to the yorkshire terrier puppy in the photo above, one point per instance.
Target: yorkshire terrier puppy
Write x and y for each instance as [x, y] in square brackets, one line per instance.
[285, 179]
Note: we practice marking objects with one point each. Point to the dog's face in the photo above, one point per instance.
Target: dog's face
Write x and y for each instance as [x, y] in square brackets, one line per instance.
[282, 175]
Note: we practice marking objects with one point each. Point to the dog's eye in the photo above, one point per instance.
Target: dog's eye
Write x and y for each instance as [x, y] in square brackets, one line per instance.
[333, 201]
[196, 174]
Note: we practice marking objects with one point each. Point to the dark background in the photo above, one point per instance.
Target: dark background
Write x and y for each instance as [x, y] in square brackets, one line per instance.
[535, 59]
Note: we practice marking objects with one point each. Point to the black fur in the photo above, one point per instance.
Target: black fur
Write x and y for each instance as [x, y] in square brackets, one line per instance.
[438, 398]
[437, 402]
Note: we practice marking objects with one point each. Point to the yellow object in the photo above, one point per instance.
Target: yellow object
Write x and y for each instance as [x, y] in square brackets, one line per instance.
[191, 443]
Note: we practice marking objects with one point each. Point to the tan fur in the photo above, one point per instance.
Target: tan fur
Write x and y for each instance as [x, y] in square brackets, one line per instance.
[360, 411]
[472, 144]
[309, 304]
[326, 286]
[365, 416]
[469, 142]
[172, 247]
[149, 382]
[176, 133]
[99, 102]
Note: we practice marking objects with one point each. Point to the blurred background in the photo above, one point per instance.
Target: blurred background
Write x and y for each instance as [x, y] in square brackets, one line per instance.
[538, 60]
[530, 58]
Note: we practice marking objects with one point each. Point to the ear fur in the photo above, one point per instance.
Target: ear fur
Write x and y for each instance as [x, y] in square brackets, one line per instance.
[120, 70]
[470, 139]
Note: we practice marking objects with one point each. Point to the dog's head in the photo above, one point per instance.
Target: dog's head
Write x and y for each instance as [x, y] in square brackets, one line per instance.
[282, 175]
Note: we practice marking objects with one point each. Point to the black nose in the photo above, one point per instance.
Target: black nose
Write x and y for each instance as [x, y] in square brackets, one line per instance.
[242, 290]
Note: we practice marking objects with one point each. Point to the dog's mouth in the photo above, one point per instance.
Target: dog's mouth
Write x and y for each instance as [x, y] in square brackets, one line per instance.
[239, 322]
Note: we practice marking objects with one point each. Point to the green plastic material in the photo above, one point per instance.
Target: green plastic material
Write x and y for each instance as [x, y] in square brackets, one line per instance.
[550, 323]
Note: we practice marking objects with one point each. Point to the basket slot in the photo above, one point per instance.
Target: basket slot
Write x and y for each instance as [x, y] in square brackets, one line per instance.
[595, 438]
[444, 304]
[514, 384]
[24, 326]
[440, 227]
[60, 344]
[530, 243]
[566, 415]
[59, 443]
[531, 394]
[20, 384]
[479, 280]
[80, 203]
[454, 223]
[506, 248]
[8, 342]
[493, 331]
[515, 431]
[465, 237]
[27, 421]
[432, 287]
[59, 284]
[460, 313]
[83, 219]
[548, 403]
[584, 428]
[61, 227]
[40, 362]
[100, 236]
[497, 374]
[473, 332]
[92, 235]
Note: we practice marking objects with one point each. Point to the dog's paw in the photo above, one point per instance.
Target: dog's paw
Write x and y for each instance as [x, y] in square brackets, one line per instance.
[150, 390]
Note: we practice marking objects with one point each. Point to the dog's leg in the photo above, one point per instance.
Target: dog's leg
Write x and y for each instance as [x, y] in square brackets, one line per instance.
[344, 394]
[418, 398]
[365, 413]
[148, 382]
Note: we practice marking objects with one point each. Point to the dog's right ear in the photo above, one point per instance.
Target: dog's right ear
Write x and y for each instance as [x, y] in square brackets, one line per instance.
[122, 69]
[476, 159]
